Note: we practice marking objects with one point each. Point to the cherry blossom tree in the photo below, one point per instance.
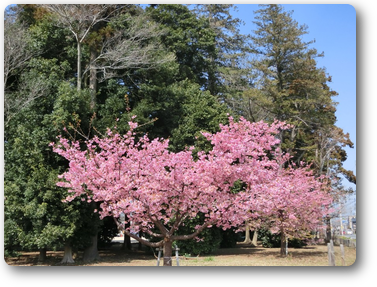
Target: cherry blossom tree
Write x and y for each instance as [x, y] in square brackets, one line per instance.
[288, 199]
[296, 203]
[158, 189]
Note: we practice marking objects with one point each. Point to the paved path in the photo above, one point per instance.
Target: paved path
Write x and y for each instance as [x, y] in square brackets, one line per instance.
[120, 239]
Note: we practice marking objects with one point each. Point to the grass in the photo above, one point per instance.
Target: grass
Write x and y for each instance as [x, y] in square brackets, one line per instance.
[242, 255]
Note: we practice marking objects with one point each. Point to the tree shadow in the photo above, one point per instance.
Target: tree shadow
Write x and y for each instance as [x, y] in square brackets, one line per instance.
[247, 249]
[114, 255]
[32, 259]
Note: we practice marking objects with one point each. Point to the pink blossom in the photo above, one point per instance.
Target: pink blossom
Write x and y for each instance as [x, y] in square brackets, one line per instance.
[160, 189]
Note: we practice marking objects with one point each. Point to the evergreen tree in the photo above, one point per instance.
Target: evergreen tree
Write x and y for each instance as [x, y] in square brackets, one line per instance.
[228, 74]
[172, 99]
[280, 54]
[290, 87]
[190, 38]
[35, 216]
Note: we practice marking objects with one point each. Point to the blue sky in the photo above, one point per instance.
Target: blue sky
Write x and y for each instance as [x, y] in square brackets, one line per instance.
[333, 27]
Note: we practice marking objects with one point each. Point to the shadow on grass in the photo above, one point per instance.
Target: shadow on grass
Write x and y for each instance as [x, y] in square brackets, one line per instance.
[112, 255]
[245, 249]
[115, 255]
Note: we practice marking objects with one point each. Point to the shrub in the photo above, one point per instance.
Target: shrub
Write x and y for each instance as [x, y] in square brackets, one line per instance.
[270, 240]
[208, 240]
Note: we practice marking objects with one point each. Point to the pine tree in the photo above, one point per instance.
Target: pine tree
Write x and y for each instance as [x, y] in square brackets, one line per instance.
[290, 87]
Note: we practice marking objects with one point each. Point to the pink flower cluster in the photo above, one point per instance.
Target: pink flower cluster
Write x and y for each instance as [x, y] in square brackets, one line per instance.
[157, 188]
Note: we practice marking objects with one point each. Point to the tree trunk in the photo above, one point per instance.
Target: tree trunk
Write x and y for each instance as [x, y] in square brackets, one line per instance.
[127, 239]
[93, 78]
[67, 254]
[247, 234]
[328, 230]
[78, 65]
[168, 251]
[140, 245]
[126, 242]
[255, 238]
[91, 253]
[42, 255]
[283, 244]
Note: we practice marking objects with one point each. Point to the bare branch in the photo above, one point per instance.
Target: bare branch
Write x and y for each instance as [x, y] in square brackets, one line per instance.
[133, 47]
[15, 102]
[80, 18]
[17, 54]
[16, 49]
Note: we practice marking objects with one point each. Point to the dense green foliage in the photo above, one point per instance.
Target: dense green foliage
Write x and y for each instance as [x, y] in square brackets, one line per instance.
[270, 240]
[184, 70]
[208, 241]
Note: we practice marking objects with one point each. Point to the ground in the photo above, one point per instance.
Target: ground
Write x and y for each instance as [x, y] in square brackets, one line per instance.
[241, 255]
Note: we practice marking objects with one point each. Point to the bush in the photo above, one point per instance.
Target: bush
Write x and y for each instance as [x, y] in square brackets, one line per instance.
[296, 243]
[11, 244]
[208, 240]
[230, 238]
[107, 231]
[270, 240]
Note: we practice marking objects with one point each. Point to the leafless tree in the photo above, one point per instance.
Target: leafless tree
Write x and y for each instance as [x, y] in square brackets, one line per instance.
[330, 142]
[17, 54]
[124, 49]
[133, 47]
[79, 19]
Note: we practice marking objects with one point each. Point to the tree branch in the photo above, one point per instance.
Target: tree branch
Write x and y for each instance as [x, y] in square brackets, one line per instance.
[193, 235]
[143, 241]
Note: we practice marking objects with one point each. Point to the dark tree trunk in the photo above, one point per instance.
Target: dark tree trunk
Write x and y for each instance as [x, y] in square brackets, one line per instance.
[283, 244]
[127, 239]
[42, 255]
[328, 230]
[140, 245]
[168, 251]
[67, 258]
[91, 253]
[126, 242]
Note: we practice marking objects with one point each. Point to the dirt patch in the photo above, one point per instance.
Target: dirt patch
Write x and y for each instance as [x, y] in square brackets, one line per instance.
[241, 255]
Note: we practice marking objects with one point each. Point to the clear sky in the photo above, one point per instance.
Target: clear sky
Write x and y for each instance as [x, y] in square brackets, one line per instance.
[333, 27]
